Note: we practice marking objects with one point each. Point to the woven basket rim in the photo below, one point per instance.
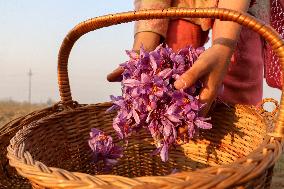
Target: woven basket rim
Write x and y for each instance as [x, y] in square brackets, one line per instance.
[265, 154]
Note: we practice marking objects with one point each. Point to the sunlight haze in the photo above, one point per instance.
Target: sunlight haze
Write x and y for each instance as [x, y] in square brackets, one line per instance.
[31, 34]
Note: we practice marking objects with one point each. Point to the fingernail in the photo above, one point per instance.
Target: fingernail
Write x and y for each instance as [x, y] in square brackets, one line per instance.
[180, 83]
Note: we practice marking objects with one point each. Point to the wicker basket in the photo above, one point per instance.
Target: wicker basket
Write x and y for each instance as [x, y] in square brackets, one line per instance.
[8, 175]
[52, 152]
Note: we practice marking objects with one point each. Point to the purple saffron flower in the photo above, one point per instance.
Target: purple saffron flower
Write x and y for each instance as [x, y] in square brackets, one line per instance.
[164, 152]
[200, 123]
[103, 148]
[130, 82]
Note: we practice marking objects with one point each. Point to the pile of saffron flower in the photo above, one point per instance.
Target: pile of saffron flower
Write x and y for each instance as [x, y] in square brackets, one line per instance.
[104, 149]
[150, 101]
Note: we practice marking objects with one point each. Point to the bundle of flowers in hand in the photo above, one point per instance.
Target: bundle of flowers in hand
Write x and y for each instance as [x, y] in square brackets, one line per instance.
[150, 101]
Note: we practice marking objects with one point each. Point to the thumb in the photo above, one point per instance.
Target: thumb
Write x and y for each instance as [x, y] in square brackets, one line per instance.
[115, 75]
[191, 76]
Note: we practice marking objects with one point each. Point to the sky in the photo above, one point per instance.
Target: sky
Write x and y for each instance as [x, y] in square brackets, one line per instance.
[31, 34]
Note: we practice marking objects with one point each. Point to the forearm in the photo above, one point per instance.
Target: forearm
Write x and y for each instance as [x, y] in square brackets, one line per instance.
[227, 32]
[150, 32]
[149, 40]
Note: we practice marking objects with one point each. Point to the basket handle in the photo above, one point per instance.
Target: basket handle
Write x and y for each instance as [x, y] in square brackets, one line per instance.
[269, 34]
[269, 100]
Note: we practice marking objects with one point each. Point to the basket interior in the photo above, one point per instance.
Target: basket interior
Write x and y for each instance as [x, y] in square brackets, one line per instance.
[61, 141]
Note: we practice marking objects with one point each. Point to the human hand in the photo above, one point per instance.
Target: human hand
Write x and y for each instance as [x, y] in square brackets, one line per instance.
[210, 68]
[149, 41]
[115, 75]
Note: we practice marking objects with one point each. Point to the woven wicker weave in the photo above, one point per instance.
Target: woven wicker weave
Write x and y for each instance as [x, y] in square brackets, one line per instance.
[8, 175]
[52, 152]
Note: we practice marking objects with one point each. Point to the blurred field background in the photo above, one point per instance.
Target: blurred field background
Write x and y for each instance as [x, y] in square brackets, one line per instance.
[33, 43]
[10, 110]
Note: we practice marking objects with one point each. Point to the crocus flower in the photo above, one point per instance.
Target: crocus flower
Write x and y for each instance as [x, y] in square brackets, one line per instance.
[150, 101]
[104, 149]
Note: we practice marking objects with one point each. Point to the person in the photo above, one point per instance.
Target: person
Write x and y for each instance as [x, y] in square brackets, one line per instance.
[235, 60]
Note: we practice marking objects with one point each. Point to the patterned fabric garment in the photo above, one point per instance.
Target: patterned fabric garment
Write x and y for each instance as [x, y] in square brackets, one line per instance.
[160, 26]
[273, 73]
[245, 73]
[259, 10]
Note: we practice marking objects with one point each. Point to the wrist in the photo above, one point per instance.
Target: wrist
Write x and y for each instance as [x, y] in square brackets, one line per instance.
[225, 46]
[149, 40]
[227, 42]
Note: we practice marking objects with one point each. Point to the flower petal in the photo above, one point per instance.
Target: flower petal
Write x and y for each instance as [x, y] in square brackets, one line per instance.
[132, 54]
[131, 82]
[174, 118]
[145, 78]
[166, 73]
[195, 105]
[202, 124]
[172, 109]
[167, 130]
[136, 116]
[164, 152]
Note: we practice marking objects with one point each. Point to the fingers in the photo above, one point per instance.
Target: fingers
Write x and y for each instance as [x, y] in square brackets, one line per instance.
[208, 94]
[206, 97]
[191, 76]
[115, 75]
[186, 80]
